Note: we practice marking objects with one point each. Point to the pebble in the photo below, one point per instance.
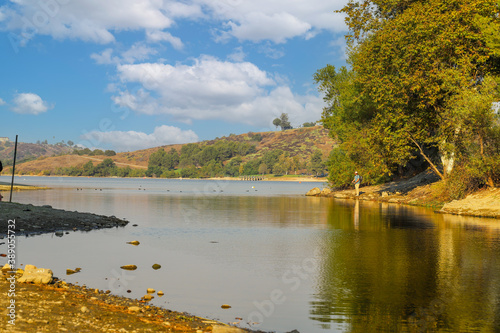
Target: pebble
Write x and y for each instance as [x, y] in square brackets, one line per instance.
[150, 291]
[129, 267]
[160, 293]
[84, 309]
[156, 266]
[225, 306]
[134, 308]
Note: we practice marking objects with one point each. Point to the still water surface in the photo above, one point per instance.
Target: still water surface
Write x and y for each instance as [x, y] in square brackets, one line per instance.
[283, 261]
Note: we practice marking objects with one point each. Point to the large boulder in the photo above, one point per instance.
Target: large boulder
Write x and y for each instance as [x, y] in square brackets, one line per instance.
[32, 274]
[314, 192]
[325, 192]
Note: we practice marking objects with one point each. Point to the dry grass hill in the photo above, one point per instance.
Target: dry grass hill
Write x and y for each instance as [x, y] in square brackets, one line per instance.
[301, 142]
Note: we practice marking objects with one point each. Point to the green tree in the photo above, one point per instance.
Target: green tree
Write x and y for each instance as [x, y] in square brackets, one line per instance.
[284, 164]
[316, 163]
[270, 158]
[233, 166]
[409, 60]
[263, 169]
[160, 161]
[277, 122]
[284, 122]
[88, 169]
[106, 168]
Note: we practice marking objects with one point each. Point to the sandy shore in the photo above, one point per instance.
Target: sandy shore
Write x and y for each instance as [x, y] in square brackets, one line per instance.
[62, 307]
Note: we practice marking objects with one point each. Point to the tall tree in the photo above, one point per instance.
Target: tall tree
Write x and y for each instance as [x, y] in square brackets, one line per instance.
[409, 60]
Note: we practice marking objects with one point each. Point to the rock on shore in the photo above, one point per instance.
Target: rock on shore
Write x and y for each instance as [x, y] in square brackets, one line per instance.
[485, 203]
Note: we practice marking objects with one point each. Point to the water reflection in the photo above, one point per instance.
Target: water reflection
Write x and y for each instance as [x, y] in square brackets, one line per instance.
[380, 267]
[419, 272]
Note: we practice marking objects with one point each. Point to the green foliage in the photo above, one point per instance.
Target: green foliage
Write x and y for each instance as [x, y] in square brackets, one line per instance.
[316, 163]
[311, 124]
[233, 166]
[277, 122]
[422, 76]
[256, 137]
[107, 168]
[160, 162]
[189, 172]
[270, 158]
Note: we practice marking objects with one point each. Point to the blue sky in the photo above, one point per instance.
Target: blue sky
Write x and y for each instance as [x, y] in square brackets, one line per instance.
[133, 74]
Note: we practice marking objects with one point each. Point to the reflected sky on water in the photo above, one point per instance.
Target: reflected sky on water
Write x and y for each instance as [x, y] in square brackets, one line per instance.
[283, 261]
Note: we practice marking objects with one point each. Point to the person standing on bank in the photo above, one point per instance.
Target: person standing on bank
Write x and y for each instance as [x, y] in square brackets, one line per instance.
[356, 181]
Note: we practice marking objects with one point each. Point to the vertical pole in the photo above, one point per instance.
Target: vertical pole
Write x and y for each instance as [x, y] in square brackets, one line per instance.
[13, 170]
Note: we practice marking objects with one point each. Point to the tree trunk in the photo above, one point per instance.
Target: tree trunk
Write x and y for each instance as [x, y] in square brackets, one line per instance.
[433, 166]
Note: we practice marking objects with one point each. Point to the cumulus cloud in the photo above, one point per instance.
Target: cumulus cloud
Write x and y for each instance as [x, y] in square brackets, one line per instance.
[137, 52]
[132, 140]
[90, 20]
[28, 103]
[160, 36]
[277, 27]
[276, 20]
[98, 21]
[238, 55]
[212, 89]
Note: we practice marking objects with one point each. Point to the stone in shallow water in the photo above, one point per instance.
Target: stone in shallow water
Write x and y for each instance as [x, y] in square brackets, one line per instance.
[129, 267]
[313, 192]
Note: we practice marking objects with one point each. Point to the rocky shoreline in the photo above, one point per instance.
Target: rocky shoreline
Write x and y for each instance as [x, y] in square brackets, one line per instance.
[417, 191]
[63, 307]
[32, 220]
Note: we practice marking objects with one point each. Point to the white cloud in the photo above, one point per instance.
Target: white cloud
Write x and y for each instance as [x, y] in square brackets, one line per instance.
[277, 27]
[276, 20]
[238, 55]
[2, 102]
[132, 140]
[137, 52]
[105, 57]
[160, 36]
[89, 20]
[212, 89]
[28, 103]
[98, 21]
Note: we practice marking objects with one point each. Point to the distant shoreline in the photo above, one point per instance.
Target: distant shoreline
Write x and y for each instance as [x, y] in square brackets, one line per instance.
[267, 179]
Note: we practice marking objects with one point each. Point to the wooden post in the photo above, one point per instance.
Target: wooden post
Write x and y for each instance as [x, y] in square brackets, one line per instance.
[13, 170]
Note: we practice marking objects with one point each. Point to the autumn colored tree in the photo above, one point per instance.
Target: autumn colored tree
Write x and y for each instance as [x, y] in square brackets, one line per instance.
[410, 62]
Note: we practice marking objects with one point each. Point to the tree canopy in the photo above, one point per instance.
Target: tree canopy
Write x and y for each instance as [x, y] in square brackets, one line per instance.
[423, 77]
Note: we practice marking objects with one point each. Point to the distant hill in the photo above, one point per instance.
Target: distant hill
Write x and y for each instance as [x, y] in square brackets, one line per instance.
[30, 151]
[301, 142]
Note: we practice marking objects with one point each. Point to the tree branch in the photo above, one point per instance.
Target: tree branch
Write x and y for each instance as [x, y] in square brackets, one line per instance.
[433, 167]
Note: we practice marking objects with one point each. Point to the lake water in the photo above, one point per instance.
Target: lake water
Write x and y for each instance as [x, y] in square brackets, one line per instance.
[283, 261]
